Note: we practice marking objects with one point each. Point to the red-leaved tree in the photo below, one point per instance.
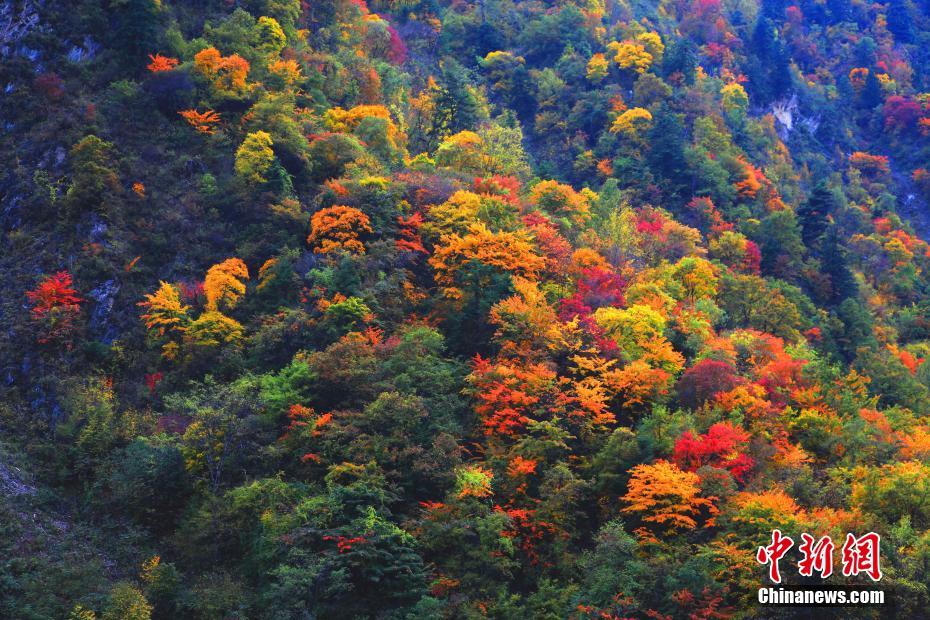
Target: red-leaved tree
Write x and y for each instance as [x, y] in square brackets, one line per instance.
[722, 446]
[55, 306]
[702, 381]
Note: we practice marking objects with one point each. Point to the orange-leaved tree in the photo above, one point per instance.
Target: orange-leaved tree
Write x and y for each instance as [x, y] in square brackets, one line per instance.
[638, 383]
[510, 394]
[506, 252]
[337, 229]
[161, 63]
[660, 493]
[227, 74]
[204, 122]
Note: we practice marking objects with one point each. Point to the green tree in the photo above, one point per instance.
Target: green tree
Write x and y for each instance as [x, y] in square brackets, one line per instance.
[149, 482]
[781, 244]
[872, 93]
[127, 602]
[94, 180]
[891, 381]
[680, 58]
[134, 30]
[613, 565]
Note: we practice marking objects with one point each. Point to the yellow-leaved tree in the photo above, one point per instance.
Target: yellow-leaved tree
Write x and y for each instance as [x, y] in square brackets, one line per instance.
[225, 284]
[632, 328]
[632, 123]
[169, 320]
[166, 317]
[255, 157]
[597, 68]
[223, 287]
[562, 200]
[166, 312]
[652, 43]
[527, 326]
[735, 100]
[463, 150]
[630, 56]
[213, 328]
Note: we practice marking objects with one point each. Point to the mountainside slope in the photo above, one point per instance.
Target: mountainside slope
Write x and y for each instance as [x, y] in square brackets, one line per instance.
[459, 309]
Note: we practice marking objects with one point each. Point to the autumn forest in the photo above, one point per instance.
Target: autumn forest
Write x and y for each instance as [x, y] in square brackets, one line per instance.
[441, 309]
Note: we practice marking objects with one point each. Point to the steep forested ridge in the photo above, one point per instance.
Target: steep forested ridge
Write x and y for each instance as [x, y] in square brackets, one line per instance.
[459, 309]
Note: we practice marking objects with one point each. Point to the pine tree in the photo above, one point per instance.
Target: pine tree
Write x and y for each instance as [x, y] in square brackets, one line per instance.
[667, 152]
[843, 284]
[457, 105]
[872, 94]
[813, 214]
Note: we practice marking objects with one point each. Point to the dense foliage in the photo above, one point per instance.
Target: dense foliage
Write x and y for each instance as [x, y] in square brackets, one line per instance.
[450, 309]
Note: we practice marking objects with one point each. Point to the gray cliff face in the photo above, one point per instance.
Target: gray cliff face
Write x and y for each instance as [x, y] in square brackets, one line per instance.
[105, 296]
[17, 19]
[912, 206]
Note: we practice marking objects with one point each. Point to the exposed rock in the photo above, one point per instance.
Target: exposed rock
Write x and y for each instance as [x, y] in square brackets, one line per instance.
[788, 118]
[105, 296]
[85, 52]
[98, 229]
[784, 112]
[16, 22]
[11, 483]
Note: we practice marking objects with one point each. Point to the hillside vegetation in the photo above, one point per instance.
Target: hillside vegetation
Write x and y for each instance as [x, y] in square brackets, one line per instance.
[459, 309]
